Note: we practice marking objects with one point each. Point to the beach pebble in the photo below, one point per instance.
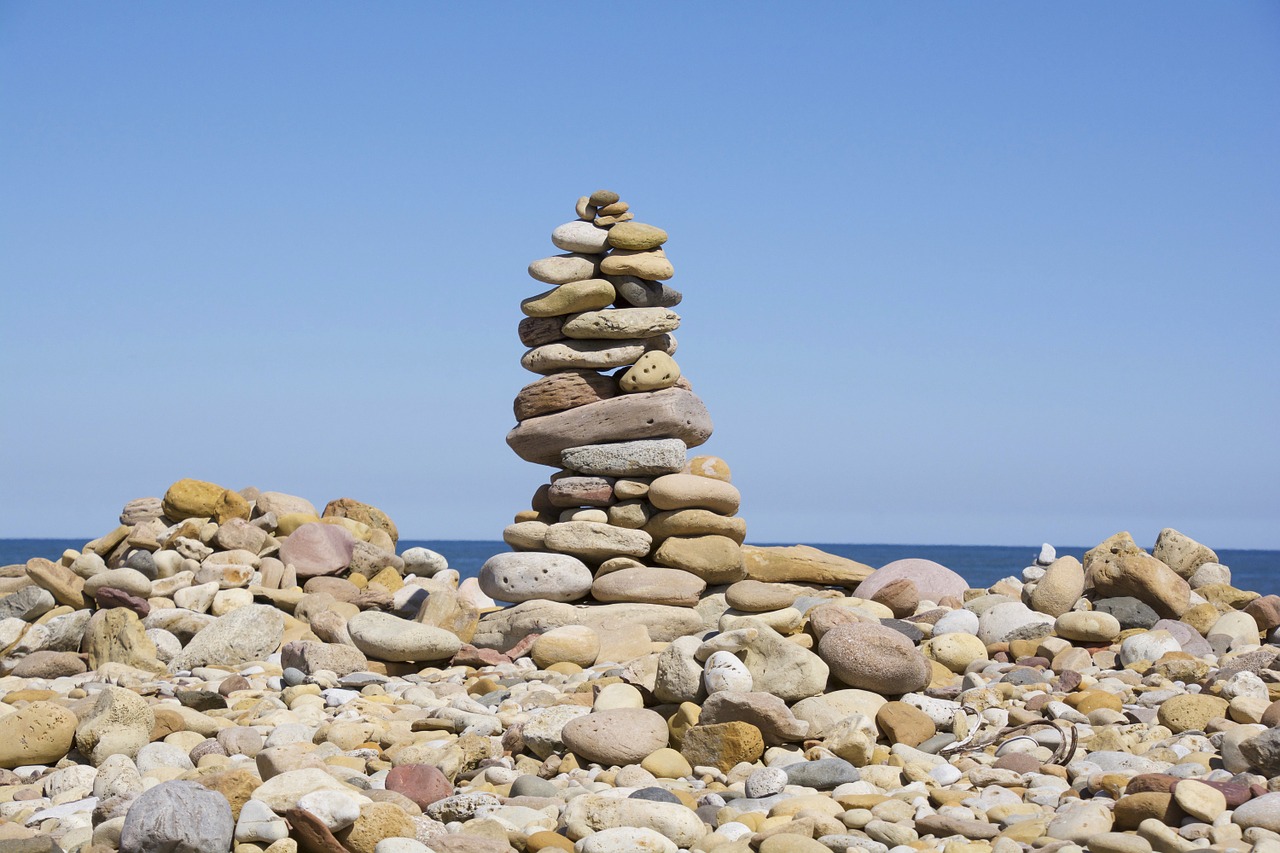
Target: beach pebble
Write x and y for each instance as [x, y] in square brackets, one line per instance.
[518, 577]
[620, 736]
[177, 817]
[387, 637]
[872, 657]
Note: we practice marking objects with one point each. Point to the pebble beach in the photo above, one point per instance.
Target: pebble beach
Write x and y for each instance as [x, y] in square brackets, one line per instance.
[242, 670]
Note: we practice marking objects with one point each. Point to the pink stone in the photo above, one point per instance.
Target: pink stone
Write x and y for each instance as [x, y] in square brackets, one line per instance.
[422, 783]
[318, 549]
[934, 580]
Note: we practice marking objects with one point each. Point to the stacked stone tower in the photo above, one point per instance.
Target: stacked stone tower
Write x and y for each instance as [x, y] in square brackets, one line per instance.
[627, 516]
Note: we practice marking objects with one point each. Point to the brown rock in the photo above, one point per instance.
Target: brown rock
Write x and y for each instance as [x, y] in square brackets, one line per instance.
[587, 294]
[1266, 612]
[635, 235]
[722, 745]
[801, 564]
[671, 413]
[715, 559]
[903, 723]
[200, 499]
[108, 597]
[236, 784]
[765, 711]
[47, 664]
[363, 513]
[1133, 809]
[536, 331]
[563, 391]
[311, 833]
[573, 492]
[900, 596]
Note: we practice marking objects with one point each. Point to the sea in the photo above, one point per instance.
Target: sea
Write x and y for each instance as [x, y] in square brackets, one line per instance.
[980, 565]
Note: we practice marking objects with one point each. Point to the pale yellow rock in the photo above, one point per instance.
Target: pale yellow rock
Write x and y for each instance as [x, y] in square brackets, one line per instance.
[667, 763]
[636, 236]
[650, 264]
[576, 644]
[955, 651]
[714, 559]
[653, 371]
[687, 491]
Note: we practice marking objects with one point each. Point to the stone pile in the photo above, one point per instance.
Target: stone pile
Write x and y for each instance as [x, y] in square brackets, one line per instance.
[627, 517]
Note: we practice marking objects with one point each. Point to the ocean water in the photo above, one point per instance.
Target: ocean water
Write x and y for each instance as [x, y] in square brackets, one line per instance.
[980, 565]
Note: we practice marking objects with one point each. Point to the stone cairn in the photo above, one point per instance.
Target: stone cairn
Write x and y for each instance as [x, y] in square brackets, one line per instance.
[615, 415]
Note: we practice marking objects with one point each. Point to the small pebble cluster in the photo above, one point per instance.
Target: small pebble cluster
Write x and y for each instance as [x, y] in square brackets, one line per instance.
[236, 671]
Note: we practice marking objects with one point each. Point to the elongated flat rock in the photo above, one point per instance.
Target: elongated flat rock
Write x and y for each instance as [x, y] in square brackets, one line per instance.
[593, 355]
[561, 391]
[802, 564]
[621, 323]
[645, 458]
[671, 413]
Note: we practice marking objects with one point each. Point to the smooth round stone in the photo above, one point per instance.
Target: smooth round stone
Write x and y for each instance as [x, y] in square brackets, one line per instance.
[592, 514]
[533, 786]
[725, 671]
[1087, 626]
[1060, 588]
[621, 736]
[603, 198]
[335, 809]
[934, 580]
[655, 794]
[1012, 620]
[689, 491]
[645, 294]
[589, 294]
[650, 264]
[957, 622]
[667, 763]
[760, 597]
[644, 458]
[1199, 800]
[562, 269]
[636, 236]
[1261, 812]
[131, 581]
[823, 774]
[523, 576]
[576, 644]
[579, 236]
[423, 562]
[39, 733]
[873, 657]
[258, 823]
[615, 696]
[383, 636]
[620, 323]
[649, 585]
[765, 782]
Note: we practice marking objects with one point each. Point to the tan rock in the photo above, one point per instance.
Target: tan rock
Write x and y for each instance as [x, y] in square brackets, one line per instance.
[688, 491]
[650, 585]
[117, 635]
[200, 499]
[1191, 711]
[595, 542]
[722, 745]
[362, 513]
[1120, 544]
[653, 371]
[576, 644]
[903, 723]
[444, 608]
[376, 822]
[636, 236]
[801, 564]
[39, 733]
[560, 391]
[715, 559]
[593, 354]
[1060, 588]
[758, 597]
[585, 295]
[1143, 577]
[695, 522]
[670, 413]
[651, 264]
[64, 585]
[1181, 553]
[955, 651]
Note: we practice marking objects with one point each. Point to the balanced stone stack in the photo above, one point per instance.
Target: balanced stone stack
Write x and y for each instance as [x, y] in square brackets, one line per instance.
[626, 517]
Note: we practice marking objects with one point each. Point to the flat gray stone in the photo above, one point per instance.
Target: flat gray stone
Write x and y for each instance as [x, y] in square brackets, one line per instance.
[643, 458]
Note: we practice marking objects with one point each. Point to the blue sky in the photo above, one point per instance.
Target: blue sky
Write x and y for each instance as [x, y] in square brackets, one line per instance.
[953, 273]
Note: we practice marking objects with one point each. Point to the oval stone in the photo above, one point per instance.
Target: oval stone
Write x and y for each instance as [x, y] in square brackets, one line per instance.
[650, 586]
[593, 354]
[644, 458]
[383, 636]
[621, 323]
[580, 236]
[562, 269]
[571, 298]
[651, 264]
[636, 236]
[524, 576]
[620, 736]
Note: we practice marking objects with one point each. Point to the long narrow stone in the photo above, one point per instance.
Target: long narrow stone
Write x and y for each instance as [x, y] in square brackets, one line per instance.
[671, 413]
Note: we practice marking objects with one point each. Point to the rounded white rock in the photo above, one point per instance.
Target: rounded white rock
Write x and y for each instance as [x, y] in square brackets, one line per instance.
[725, 671]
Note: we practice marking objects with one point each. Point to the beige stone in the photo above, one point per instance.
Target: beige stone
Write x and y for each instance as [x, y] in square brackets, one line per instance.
[64, 585]
[695, 522]
[570, 643]
[688, 491]
[1060, 588]
[955, 651]
[39, 733]
[621, 324]
[801, 564]
[649, 585]
[563, 269]
[1181, 553]
[651, 264]
[1191, 711]
[200, 499]
[595, 542]
[593, 354]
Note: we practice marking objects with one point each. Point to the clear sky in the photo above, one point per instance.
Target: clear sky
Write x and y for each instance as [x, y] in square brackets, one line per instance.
[992, 273]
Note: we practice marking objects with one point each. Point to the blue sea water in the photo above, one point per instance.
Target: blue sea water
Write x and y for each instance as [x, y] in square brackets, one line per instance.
[980, 565]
